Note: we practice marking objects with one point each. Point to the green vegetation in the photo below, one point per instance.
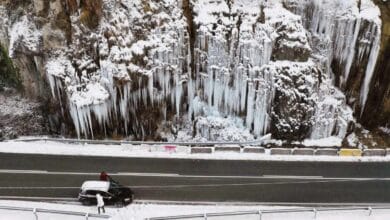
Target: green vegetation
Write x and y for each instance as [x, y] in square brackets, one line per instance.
[9, 75]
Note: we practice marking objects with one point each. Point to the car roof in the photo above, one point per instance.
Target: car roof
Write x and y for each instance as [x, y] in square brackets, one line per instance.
[96, 185]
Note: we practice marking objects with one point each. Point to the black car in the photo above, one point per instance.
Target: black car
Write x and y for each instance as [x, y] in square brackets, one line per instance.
[112, 193]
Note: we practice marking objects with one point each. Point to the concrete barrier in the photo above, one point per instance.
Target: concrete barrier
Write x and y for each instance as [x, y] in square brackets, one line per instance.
[259, 150]
[346, 152]
[303, 151]
[280, 151]
[201, 150]
[326, 152]
[374, 152]
[236, 149]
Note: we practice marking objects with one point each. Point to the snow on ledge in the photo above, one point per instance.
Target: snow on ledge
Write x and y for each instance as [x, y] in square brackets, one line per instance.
[385, 130]
[331, 141]
[92, 94]
[159, 151]
[370, 11]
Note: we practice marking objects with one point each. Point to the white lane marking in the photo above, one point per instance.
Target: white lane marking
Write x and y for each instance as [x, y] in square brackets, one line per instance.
[239, 184]
[292, 177]
[45, 172]
[38, 198]
[175, 175]
[145, 174]
[23, 171]
[181, 185]
[157, 187]
[125, 174]
[39, 187]
[158, 175]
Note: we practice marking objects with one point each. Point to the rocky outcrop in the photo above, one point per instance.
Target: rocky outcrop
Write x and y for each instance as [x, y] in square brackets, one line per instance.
[20, 116]
[379, 97]
[9, 76]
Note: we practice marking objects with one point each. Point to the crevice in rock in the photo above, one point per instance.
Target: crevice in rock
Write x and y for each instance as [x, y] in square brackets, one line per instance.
[188, 14]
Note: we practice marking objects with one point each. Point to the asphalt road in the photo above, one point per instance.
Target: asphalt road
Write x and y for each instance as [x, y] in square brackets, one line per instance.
[200, 180]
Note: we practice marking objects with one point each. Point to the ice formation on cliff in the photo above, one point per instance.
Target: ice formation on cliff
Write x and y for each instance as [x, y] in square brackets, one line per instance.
[264, 65]
[346, 31]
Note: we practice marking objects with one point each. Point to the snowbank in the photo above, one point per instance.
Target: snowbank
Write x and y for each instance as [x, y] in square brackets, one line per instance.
[158, 151]
[144, 210]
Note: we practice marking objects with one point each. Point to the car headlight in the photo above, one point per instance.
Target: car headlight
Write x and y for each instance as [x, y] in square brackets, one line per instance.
[127, 199]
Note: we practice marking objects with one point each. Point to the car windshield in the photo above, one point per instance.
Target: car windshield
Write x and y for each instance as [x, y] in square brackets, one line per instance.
[113, 191]
[115, 185]
[114, 188]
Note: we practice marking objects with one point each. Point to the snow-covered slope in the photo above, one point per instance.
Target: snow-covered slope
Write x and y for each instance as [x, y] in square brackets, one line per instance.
[204, 69]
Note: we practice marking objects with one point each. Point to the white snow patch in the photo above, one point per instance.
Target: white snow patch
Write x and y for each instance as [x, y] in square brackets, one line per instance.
[331, 141]
[92, 94]
[145, 210]
[23, 34]
[16, 105]
[385, 130]
[160, 151]
[352, 140]
[370, 11]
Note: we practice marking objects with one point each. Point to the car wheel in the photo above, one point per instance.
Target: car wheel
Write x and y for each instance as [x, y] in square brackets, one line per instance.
[119, 204]
[128, 201]
[86, 202]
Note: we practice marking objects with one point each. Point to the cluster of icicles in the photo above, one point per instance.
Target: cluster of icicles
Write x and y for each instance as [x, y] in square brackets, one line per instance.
[231, 82]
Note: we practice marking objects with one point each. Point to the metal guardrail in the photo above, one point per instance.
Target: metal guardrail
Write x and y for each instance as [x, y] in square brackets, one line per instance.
[35, 211]
[260, 213]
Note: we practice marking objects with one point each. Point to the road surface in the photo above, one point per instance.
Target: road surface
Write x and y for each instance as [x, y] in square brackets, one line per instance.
[199, 180]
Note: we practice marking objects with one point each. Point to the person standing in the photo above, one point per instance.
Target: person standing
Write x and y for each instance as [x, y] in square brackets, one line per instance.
[104, 176]
[100, 203]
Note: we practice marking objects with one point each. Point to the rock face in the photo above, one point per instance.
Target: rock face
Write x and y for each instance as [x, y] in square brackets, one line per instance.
[202, 68]
[20, 116]
[379, 96]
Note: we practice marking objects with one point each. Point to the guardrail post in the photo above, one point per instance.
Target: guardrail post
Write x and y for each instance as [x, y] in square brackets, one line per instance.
[35, 213]
[205, 216]
[86, 216]
[260, 214]
[315, 213]
[369, 210]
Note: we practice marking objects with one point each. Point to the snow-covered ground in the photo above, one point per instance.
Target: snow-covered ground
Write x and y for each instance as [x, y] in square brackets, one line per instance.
[155, 151]
[27, 215]
[148, 210]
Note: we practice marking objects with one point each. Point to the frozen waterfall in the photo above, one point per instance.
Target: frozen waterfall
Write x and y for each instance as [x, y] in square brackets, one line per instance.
[235, 60]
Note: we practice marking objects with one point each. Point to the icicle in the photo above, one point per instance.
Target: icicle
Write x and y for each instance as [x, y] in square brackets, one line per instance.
[52, 84]
[150, 87]
[178, 93]
[351, 52]
[370, 66]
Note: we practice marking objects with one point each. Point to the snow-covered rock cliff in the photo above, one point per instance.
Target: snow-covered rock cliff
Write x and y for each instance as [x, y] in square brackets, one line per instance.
[199, 69]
